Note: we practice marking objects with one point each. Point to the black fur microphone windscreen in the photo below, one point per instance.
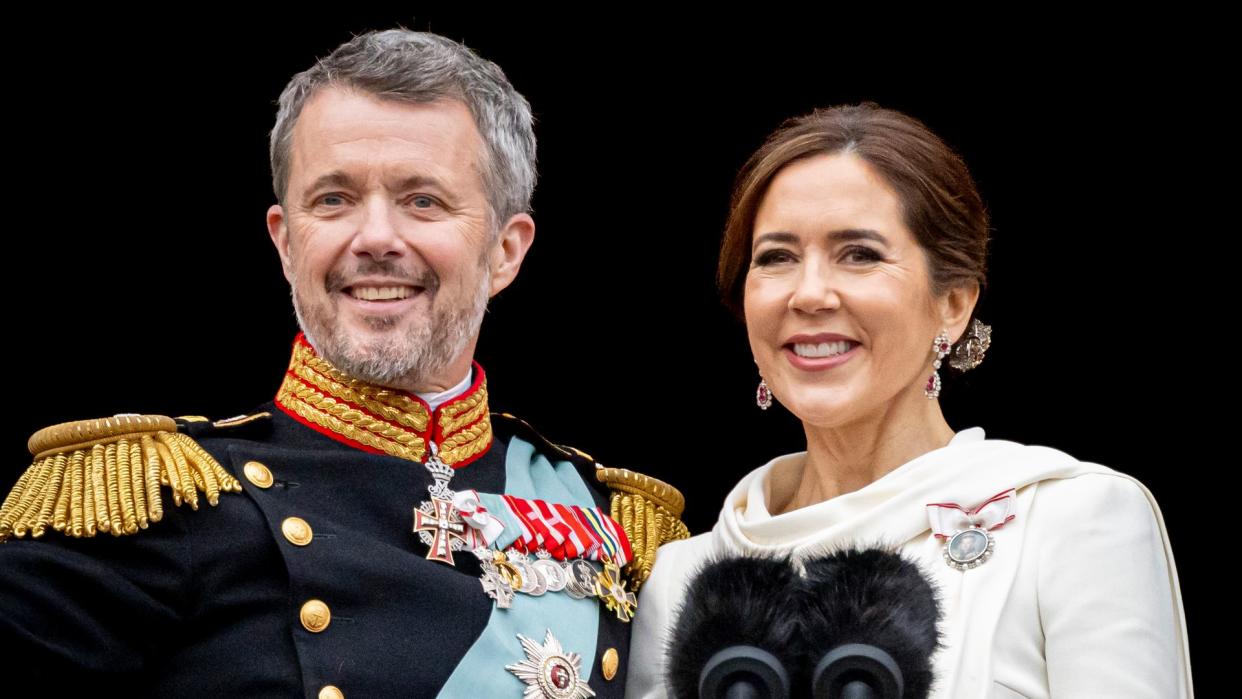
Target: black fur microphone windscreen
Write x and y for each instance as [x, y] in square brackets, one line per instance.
[873, 597]
[857, 596]
[740, 601]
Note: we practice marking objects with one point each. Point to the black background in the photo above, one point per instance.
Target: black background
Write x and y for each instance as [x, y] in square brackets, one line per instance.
[144, 280]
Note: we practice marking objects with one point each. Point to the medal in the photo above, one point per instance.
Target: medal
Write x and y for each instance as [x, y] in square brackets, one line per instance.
[969, 548]
[534, 582]
[551, 571]
[610, 587]
[437, 522]
[507, 573]
[440, 526]
[581, 579]
[451, 521]
[967, 533]
[549, 672]
[562, 539]
[499, 578]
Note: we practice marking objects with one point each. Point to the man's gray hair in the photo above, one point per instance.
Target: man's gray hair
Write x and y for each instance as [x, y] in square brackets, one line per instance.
[408, 66]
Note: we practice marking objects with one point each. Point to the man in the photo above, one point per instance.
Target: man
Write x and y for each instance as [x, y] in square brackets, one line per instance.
[376, 530]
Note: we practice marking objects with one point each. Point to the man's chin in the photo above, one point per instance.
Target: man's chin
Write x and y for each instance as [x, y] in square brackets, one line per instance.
[383, 358]
[371, 338]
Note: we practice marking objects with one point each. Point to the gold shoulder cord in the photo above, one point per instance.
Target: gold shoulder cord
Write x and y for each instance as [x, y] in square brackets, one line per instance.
[105, 475]
[650, 512]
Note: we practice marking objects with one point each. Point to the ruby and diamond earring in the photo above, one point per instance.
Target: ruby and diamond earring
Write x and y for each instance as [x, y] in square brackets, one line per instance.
[941, 347]
[967, 355]
[763, 395]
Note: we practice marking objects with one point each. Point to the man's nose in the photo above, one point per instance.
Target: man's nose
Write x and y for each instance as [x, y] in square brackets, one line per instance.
[377, 236]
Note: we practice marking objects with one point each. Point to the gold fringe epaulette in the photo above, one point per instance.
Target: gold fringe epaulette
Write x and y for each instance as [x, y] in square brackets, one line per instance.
[650, 512]
[105, 475]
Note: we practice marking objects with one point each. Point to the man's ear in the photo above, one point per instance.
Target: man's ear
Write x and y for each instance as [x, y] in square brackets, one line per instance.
[512, 242]
[279, 231]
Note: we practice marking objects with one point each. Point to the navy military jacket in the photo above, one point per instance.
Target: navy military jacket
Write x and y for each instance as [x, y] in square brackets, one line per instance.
[241, 600]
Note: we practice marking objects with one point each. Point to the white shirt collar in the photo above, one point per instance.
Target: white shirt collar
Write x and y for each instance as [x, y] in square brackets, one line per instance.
[435, 400]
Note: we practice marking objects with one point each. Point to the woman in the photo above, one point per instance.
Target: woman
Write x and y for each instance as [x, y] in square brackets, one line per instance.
[855, 253]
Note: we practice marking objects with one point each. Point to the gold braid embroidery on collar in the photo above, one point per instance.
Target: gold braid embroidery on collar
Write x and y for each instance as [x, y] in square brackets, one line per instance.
[382, 418]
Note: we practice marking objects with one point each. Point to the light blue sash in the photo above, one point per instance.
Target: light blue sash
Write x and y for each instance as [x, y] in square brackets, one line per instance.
[574, 622]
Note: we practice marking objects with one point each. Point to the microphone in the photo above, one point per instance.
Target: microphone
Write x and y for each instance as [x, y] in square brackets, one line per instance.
[869, 619]
[855, 624]
[737, 632]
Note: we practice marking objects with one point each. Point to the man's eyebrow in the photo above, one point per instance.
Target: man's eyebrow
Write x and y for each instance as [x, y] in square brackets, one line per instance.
[417, 181]
[340, 178]
[332, 179]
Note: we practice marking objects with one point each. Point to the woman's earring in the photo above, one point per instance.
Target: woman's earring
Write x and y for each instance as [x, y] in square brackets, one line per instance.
[763, 396]
[970, 350]
[941, 347]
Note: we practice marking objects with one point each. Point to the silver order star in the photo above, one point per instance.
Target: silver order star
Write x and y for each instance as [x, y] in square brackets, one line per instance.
[549, 672]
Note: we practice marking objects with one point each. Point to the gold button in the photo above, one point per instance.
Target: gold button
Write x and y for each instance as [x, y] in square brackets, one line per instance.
[609, 663]
[297, 531]
[258, 474]
[330, 692]
[315, 616]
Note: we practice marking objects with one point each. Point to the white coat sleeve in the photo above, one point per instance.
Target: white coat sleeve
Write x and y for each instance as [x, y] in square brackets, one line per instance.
[657, 605]
[1107, 594]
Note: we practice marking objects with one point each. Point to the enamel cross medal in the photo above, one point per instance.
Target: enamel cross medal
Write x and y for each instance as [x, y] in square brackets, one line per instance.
[438, 522]
[610, 587]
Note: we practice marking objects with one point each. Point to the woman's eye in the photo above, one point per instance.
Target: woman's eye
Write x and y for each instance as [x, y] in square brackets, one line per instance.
[860, 253]
[772, 257]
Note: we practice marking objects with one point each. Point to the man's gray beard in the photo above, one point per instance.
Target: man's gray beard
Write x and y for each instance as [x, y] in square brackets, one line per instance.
[414, 359]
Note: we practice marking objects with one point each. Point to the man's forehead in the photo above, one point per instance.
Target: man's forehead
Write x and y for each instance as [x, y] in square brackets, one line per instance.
[350, 125]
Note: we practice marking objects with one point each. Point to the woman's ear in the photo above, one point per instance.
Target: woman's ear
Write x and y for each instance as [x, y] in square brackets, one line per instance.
[955, 308]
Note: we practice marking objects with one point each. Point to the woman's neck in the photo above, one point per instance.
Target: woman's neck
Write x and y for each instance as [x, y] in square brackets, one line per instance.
[843, 458]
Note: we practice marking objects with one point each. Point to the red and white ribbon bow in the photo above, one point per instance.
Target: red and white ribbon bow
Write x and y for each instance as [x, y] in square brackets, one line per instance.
[484, 523]
[949, 518]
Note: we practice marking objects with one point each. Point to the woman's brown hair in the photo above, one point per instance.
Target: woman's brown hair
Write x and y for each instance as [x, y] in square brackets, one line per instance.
[939, 200]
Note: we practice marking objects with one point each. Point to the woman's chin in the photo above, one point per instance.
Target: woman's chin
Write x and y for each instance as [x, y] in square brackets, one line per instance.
[823, 407]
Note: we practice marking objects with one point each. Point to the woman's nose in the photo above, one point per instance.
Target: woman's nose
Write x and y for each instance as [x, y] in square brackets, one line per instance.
[815, 289]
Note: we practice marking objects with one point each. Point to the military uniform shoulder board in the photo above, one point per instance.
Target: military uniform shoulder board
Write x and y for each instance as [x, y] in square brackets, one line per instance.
[650, 512]
[648, 509]
[105, 475]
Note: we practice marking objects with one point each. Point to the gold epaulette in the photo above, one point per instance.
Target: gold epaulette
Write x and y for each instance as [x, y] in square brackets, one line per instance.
[650, 512]
[105, 475]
